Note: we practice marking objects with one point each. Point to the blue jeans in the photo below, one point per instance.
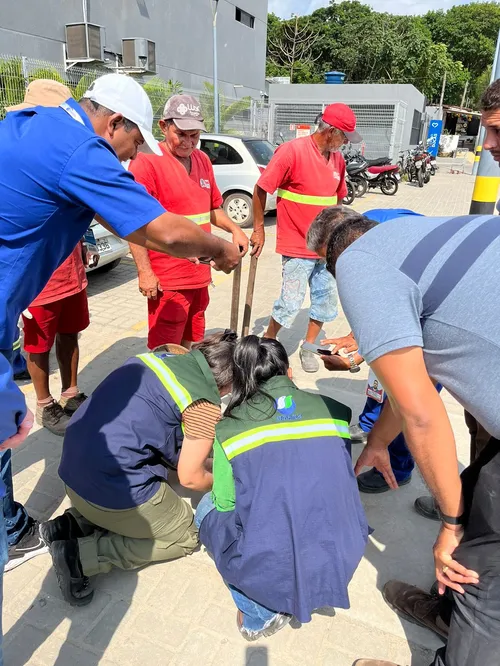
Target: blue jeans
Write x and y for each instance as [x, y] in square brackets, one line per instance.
[402, 462]
[255, 616]
[3, 561]
[14, 514]
[297, 275]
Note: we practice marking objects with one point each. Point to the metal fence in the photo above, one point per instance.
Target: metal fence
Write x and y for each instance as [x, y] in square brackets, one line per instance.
[238, 115]
[380, 125]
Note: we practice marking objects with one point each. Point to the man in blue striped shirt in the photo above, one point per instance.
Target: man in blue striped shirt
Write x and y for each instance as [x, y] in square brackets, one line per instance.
[420, 295]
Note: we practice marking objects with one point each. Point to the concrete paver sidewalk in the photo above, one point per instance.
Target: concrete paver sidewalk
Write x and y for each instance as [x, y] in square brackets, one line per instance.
[180, 613]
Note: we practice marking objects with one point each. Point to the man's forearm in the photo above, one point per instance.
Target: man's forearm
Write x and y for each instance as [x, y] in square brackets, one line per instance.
[177, 236]
[388, 425]
[141, 258]
[259, 207]
[433, 446]
[220, 220]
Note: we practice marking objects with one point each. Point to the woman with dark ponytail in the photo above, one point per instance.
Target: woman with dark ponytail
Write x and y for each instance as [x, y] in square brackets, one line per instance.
[284, 521]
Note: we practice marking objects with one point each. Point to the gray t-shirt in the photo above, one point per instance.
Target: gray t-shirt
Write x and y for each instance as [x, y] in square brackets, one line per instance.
[432, 283]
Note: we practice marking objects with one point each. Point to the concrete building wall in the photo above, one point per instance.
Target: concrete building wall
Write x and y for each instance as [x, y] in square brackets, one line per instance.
[181, 29]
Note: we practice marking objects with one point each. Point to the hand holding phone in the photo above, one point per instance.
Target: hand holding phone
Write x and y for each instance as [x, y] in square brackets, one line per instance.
[316, 349]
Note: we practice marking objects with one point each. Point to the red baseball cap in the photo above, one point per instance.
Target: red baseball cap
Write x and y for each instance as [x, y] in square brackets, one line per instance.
[342, 117]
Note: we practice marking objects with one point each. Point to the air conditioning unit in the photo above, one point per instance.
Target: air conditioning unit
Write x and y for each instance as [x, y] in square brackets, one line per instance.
[84, 41]
[140, 54]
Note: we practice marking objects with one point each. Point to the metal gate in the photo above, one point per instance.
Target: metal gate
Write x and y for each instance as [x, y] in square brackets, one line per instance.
[380, 125]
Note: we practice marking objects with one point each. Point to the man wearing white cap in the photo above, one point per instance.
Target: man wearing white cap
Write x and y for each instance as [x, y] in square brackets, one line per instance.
[63, 169]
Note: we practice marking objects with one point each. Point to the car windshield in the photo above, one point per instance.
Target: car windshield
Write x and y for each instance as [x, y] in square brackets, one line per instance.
[260, 150]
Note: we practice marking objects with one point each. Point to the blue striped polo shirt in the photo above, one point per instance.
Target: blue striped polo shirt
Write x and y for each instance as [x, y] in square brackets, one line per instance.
[432, 283]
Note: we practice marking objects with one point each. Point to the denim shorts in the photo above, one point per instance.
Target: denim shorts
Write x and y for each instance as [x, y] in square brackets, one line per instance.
[297, 274]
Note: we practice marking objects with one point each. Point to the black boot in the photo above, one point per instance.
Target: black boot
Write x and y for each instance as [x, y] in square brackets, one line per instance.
[75, 587]
[61, 528]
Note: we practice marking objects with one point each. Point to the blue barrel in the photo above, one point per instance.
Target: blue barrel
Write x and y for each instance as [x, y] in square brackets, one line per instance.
[334, 77]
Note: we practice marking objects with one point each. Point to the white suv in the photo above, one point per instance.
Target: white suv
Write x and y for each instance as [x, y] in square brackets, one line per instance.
[238, 163]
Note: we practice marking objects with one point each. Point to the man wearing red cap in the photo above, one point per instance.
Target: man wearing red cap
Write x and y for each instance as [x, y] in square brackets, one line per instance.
[309, 175]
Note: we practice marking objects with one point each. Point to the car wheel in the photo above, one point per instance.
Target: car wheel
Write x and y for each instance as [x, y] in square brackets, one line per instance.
[107, 267]
[239, 209]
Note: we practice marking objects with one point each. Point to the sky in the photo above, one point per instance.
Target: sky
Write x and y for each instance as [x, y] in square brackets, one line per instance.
[284, 8]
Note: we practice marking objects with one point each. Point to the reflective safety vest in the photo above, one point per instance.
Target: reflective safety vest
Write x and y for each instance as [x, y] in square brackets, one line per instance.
[201, 219]
[307, 198]
[288, 528]
[186, 378]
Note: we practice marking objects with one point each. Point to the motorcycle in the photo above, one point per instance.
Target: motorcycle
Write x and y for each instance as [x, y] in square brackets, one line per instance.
[364, 176]
[354, 158]
[351, 192]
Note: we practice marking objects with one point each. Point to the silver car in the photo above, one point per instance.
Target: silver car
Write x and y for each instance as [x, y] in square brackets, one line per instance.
[111, 248]
[238, 162]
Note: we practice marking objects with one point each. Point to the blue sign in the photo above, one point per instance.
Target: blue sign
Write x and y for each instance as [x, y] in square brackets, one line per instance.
[433, 136]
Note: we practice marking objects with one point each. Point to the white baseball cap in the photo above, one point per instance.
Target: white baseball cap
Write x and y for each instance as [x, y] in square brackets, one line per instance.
[121, 94]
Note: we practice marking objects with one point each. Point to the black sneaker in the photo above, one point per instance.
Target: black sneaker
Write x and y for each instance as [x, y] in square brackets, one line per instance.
[427, 507]
[70, 405]
[75, 587]
[53, 417]
[30, 545]
[61, 528]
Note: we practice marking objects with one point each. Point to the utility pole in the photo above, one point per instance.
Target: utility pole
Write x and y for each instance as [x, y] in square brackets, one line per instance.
[464, 96]
[216, 75]
[443, 90]
[484, 197]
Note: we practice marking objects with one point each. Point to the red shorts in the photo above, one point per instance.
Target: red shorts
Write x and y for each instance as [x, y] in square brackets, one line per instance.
[67, 316]
[177, 316]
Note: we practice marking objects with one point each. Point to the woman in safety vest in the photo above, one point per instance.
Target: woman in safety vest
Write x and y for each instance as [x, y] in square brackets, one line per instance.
[157, 411]
[284, 522]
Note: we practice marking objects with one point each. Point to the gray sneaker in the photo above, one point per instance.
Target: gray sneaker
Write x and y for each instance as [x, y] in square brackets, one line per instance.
[272, 626]
[358, 435]
[309, 361]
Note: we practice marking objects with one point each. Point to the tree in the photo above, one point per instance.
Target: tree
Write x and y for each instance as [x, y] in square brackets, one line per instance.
[158, 92]
[12, 83]
[292, 45]
[227, 110]
[469, 31]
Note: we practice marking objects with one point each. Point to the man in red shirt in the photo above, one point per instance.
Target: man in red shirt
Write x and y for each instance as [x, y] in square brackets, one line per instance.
[59, 313]
[183, 181]
[309, 174]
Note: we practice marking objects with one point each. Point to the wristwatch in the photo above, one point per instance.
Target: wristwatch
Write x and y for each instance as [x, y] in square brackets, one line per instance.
[451, 520]
[354, 366]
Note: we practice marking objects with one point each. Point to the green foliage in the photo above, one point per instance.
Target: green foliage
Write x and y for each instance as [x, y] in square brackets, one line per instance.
[228, 110]
[12, 83]
[375, 47]
[158, 92]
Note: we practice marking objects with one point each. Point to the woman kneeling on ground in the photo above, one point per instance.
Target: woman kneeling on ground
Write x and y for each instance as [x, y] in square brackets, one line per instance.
[284, 522]
[155, 412]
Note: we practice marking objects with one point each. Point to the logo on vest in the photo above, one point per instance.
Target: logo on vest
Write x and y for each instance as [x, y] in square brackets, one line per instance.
[285, 406]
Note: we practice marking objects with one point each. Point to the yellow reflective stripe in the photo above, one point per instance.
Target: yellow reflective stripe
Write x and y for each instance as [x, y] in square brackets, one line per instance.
[202, 218]
[283, 432]
[307, 198]
[17, 345]
[168, 379]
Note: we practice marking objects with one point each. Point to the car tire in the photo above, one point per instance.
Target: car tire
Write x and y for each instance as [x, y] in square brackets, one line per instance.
[107, 267]
[239, 209]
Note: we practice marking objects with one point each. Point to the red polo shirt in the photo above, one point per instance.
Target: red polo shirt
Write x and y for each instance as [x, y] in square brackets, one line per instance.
[192, 195]
[69, 279]
[306, 184]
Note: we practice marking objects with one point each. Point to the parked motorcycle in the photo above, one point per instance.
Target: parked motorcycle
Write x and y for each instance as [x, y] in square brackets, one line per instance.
[363, 176]
[351, 192]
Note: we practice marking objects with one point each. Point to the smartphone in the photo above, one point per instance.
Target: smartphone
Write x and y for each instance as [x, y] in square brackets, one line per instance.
[316, 349]
[205, 260]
